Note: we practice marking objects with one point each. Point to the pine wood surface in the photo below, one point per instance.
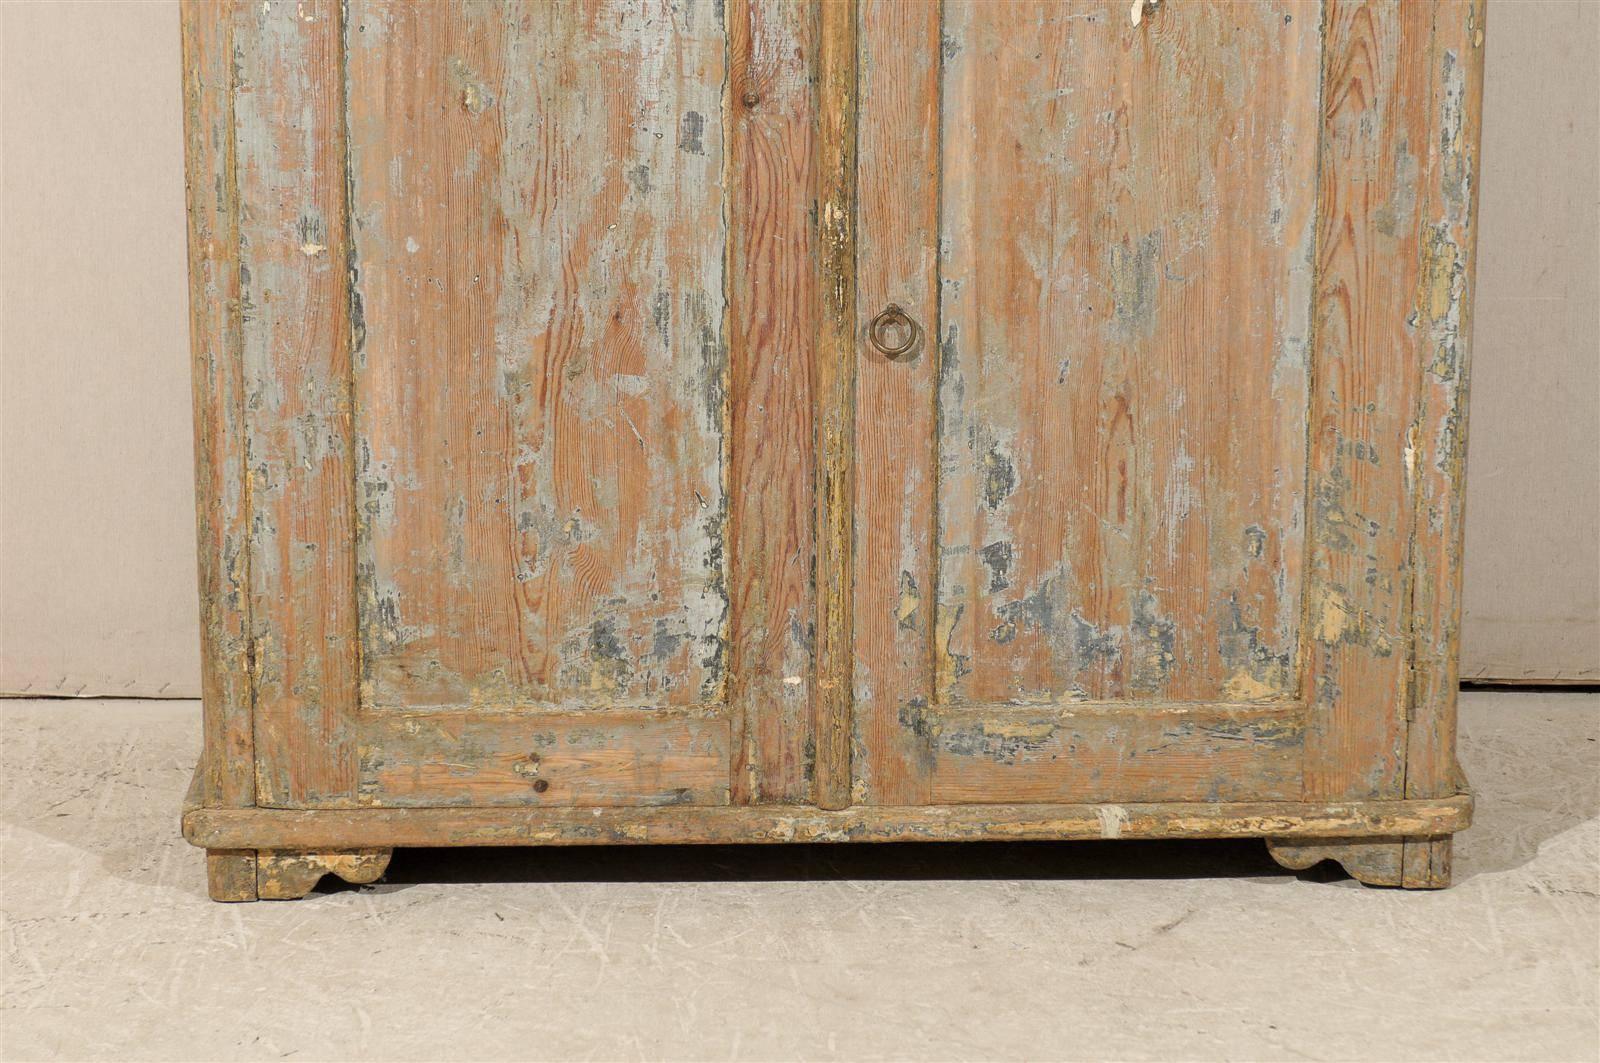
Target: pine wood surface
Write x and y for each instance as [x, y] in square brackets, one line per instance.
[336, 829]
[547, 465]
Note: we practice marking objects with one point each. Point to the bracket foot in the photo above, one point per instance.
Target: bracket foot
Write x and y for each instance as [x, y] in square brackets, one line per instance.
[283, 875]
[1411, 863]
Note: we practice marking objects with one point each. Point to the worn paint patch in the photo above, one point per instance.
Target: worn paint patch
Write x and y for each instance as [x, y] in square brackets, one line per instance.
[1154, 650]
[690, 131]
[950, 665]
[1242, 686]
[1261, 662]
[910, 602]
[999, 476]
[1333, 618]
[997, 557]
[473, 92]
[1113, 818]
[1002, 741]
[1135, 277]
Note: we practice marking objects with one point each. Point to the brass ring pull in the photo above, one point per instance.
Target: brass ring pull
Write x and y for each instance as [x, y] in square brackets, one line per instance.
[892, 319]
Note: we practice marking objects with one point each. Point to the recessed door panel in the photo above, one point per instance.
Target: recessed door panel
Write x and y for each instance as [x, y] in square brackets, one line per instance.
[541, 369]
[1125, 324]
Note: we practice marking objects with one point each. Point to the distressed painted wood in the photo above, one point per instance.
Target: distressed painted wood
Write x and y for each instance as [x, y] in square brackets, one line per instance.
[1104, 753]
[769, 178]
[498, 759]
[835, 369]
[1439, 467]
[556, 487]
[295, 299]
[507, 540]
[897, 263]
[231, 874]
[1126, 269]
[539, 219]
[221, 478]
[1373, 861]
[318, 829]
[1427, 863]
[1369, 249]
[290, 875]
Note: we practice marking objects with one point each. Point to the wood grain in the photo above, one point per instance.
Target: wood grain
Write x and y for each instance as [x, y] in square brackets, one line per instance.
[295, 304]
[1126, 233]
[897, 262]
[1445, 313]
[770, 178]
[215, 342]
[542, 378]
[1193, 752]
[835, 370]
[339, 828]
[1376, 160]
[508, 759]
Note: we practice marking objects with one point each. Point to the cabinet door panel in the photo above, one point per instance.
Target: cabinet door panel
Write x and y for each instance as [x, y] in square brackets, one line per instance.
[1165, 464]
[509, 401]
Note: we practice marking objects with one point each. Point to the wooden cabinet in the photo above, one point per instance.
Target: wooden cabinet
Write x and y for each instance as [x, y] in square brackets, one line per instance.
[658, 420]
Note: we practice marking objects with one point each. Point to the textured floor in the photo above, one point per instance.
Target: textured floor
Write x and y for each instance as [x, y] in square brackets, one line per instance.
[1081, 951]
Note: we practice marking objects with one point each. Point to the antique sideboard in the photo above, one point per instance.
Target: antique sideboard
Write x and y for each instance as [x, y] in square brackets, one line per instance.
[640, 421]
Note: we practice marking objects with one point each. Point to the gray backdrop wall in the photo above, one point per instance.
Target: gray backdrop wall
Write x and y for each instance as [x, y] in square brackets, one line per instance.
[96, 528]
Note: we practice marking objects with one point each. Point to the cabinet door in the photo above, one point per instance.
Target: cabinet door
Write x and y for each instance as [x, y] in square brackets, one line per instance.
[1136, 515]
[524, 310]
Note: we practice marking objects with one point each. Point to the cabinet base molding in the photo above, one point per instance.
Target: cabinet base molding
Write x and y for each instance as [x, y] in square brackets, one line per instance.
[1405, 841]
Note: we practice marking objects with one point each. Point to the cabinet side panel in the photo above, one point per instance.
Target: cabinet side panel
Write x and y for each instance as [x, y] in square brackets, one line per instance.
[770, 182]
[295, 303]
[898, 197]
[1376, 161]
[1444, 310]
[220, 501]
